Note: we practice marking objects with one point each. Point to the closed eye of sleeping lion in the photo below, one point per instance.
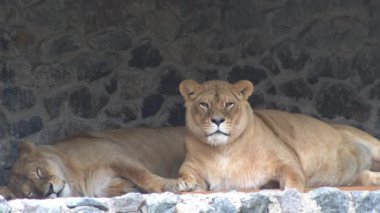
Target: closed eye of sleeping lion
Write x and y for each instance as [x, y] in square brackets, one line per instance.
[229, 146]
[99, 164]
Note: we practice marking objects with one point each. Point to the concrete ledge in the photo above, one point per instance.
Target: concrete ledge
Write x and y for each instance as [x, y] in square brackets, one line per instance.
[324, 199]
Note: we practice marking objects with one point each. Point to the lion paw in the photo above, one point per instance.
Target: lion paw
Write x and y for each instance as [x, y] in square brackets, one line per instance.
[185, 186]
[180, 185]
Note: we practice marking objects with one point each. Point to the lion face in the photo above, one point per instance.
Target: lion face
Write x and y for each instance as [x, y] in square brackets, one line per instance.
[216, 112]
[36, 174]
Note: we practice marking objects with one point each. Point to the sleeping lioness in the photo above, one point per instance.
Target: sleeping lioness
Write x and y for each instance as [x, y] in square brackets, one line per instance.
[229, 146]
[99, 164]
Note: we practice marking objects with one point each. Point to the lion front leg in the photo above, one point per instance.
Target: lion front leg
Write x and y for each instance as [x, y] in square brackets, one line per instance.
[291, 178]
[139, 175]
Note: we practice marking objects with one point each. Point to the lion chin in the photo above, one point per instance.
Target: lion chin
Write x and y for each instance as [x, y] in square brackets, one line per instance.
[217, 139]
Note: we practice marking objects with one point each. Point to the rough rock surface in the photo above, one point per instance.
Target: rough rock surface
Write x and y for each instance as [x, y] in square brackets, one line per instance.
[289, 201]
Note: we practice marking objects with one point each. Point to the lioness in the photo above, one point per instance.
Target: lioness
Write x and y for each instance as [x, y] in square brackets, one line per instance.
[99, 164]
[231, 147]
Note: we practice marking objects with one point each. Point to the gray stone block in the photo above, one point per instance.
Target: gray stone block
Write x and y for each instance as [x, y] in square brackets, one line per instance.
[85, 104]
[222, 205]
[366, 201]
[145, 56]
[291, 201]
[61, 46]
[332, 67]
[292, 55]
[54, 105]
[110, 40]
[47, 16]
[169, 82]
[255, 203]
[254, 74]
[151, 105]
[342, 100]
[16, 99]
[48, 77]
[330, 200]
[24, 128]
[177, 115]
[367, 63]
[91, 67]
[132, 202]
[270, 64]
[4, 125]
[74, 203]
[296, 89]
[161, 203]
[123, 113]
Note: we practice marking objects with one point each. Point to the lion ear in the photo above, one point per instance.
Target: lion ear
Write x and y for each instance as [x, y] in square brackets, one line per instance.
[245, 88]
[189, 89]
[26, 148]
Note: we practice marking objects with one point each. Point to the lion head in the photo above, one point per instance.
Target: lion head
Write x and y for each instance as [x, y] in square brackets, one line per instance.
[37, 173]
[217, 112]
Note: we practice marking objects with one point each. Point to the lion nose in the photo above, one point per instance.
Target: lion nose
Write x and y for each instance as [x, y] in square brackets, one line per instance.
[217, 120]
[51, 189]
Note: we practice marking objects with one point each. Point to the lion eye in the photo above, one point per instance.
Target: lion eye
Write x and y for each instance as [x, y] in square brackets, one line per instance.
[229, 105]
[30, 194]
[39, 173]
[204, 105]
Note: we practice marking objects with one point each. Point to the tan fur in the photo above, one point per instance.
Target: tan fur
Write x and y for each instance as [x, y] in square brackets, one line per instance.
[99, 164]
[253, 148]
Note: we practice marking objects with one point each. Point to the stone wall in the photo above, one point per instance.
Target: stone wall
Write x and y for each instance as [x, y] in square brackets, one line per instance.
[80, 65]
[289, 201]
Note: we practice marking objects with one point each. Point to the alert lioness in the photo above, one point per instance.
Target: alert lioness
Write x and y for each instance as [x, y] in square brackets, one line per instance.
[230, 146]
[99, 164]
